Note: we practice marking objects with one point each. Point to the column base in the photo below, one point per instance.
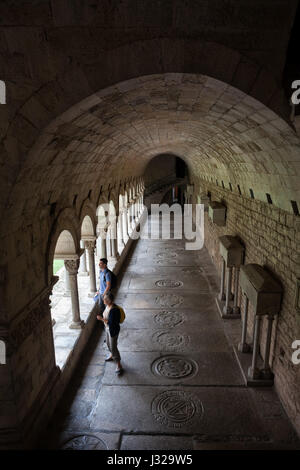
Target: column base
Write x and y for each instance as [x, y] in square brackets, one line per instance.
[228, 313]
[251, 379]
[267, 374]
[244, 347]
[257, 379]
[236, 311]
[83, 273]
[77, 325]
[254, 373]
[67, 294]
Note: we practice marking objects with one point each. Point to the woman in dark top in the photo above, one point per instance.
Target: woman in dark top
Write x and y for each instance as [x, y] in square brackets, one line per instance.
[111, 320]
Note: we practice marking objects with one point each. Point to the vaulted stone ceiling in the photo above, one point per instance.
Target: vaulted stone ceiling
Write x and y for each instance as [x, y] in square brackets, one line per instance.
[219, 131]
[95, 89]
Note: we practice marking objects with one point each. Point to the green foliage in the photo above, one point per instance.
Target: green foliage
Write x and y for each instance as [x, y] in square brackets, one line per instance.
[57, 264]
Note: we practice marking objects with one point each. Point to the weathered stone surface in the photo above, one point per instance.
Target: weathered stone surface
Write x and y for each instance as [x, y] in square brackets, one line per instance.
[209, 368]
[220, 413]
[95, 90]
[156, 443]
[180, 377]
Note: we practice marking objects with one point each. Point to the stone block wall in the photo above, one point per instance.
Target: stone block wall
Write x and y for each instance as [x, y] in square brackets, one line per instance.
[31, 384]
[271, 237]
[27, 375]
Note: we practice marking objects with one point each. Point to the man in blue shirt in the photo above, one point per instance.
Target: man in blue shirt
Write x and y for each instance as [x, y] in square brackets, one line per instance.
[105, 282]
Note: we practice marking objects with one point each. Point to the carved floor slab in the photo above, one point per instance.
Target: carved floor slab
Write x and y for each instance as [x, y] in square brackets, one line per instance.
[181, 387]
[173, 340]
[177, 410]
[153, 368]
[165, 299]
[171, 317]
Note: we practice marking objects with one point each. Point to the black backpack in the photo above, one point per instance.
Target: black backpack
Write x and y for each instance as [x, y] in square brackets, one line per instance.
[113, 279]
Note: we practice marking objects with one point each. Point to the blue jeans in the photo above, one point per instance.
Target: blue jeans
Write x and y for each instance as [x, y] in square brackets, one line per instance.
[101, 304]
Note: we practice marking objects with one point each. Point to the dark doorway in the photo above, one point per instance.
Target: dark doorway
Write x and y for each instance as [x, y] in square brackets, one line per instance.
[180, 168]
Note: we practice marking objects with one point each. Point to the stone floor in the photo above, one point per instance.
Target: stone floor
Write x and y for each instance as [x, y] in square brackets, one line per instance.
[182, 387]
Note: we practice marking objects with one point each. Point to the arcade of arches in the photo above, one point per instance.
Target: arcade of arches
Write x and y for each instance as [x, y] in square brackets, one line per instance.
[90, 136]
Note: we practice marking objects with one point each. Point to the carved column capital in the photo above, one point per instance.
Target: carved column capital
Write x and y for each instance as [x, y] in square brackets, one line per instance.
[90, 245]
[72, 266]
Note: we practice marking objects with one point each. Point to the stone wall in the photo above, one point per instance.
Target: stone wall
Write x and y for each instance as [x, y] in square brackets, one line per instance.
[271, 238]
[28, 378]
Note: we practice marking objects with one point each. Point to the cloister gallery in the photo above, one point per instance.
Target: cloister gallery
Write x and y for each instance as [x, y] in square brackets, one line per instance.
[107, 108]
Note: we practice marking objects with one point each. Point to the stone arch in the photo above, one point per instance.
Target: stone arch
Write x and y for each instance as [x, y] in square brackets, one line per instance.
[121, 200]
[88, 222]
[87, 227]
[114, 199]
[63, 235]
[166, 55]
[65, 244]
[102, 200]
[102, 216]
[126, 197]
[131, 191]
[122, 189]
[112, 210]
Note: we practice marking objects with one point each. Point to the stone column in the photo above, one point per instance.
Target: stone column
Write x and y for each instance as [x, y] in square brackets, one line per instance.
[133, 221]
[266, 371]
[125, 225]
[136, 212]
[253, 371]
[108, 242]
[98, 249]
[222, 288]
[90, 246]
[131, 225]
[227, 309]
[236, 308]
[243, 346]
[129, 220]
[82, 266]
[121, 231]
[67, 292]
[103, 237]
[72, 266]
[114, 255]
